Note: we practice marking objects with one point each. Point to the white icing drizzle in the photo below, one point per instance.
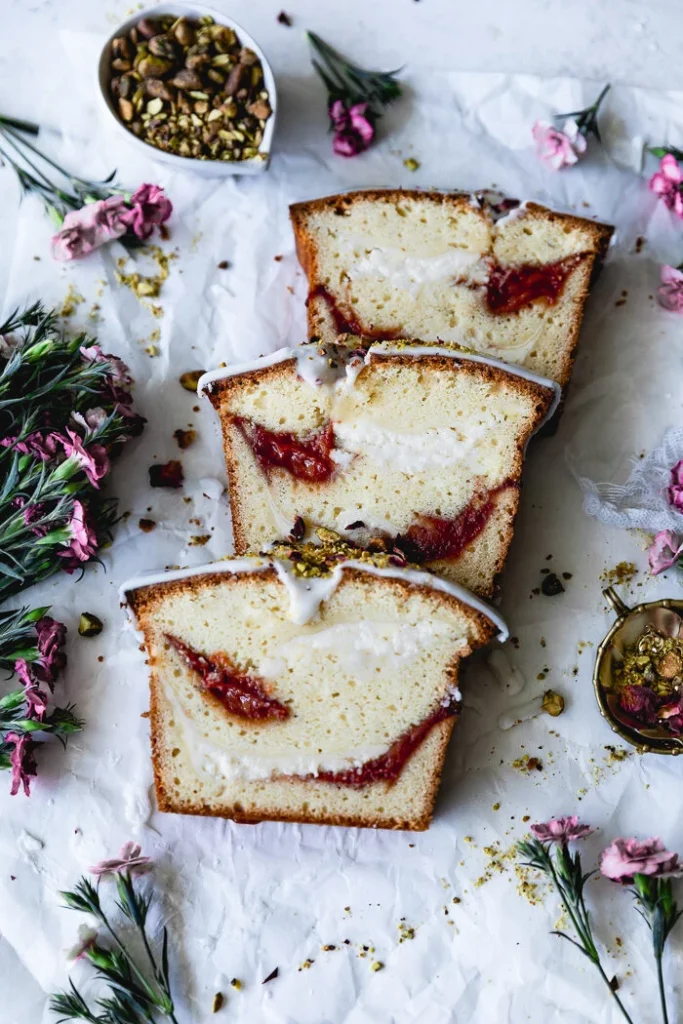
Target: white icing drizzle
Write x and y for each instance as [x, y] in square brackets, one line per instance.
[306, 594]
[280, 356]
[379, 348]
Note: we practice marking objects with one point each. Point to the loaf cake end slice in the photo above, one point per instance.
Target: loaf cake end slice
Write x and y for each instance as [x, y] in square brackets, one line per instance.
[305, 686]
[418, 447]
[439, 266]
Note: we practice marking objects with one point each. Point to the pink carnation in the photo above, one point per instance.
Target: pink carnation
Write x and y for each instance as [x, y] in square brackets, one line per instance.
[561, 830]
[675, 491]
[90, 227]
[94, 460]
[670, 291]
[353, 130]
[149, 208]
[83, 544]
[22, 761]
[129, 861]
[558, 148]
[625, 858]
[664, 552]
[667, 183]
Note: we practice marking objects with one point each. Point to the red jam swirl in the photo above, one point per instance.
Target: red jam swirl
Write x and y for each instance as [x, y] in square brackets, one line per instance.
[432, 538]
[240, 694]
[345, 322]
[389, 766]
[308, 459]
[509, 289]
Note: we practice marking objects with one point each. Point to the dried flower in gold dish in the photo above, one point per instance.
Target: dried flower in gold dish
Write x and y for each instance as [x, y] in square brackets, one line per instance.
[639, 675]
[190, 87]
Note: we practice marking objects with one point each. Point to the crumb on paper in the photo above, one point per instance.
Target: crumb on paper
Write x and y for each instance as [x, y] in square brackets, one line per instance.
[199, 540]
[411, 164]
[622, 573]
[528, 764]
[72, 300]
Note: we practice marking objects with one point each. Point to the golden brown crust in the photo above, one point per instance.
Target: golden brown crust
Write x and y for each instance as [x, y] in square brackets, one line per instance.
[143, 600]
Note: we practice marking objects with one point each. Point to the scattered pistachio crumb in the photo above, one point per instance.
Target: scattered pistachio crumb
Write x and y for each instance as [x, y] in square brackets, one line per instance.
[377, 965]
[236, 984]
[411, 164]
[218, 1001]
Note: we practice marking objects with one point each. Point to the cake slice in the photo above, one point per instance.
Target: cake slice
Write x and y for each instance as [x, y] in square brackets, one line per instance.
[418, 447]
[317, 684]
[439, 266]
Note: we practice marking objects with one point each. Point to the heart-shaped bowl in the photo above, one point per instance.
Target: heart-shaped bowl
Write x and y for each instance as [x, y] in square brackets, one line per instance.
[665, 617]
[207, 168]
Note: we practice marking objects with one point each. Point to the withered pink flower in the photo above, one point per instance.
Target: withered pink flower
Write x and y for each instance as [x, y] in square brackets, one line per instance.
[664, 551]
[667, 183]
[22, 761]
[675, 491]
[149, 208]
[353, 129]
[641, 702]
[558, 148]
[561, 830]
[129, 861]
[35, 698]
[51, 638]
[625, 858]
[670, 291]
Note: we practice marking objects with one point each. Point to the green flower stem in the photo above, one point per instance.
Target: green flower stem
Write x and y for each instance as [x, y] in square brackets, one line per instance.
[662, 993]
[581, 923]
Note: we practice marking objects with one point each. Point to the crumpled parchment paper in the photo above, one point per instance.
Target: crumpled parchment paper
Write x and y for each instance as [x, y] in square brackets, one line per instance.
[241, 900]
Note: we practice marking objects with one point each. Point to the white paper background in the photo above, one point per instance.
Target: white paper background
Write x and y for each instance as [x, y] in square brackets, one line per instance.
[240, 900]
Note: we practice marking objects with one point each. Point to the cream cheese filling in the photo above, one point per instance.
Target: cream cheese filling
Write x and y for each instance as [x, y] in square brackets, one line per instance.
[410, 273]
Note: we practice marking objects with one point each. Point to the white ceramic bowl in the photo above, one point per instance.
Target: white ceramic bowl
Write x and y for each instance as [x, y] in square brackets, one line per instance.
[208, 168]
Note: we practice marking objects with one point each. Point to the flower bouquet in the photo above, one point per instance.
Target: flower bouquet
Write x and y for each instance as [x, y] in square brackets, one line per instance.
[65, 413]
[31, 647]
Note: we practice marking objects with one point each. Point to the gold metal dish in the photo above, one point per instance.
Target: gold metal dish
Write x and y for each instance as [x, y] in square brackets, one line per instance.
[665, 616]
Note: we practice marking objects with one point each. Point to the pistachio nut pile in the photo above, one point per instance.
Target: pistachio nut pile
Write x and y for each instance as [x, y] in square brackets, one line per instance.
[189, 87]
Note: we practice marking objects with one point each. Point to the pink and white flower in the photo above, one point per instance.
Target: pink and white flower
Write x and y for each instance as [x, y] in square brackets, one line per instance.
[625, 858]
[667, 183]
[664, 551]
[561, 830]
[93, 460]
[87, 938]
[129, 861]
[559, 148]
